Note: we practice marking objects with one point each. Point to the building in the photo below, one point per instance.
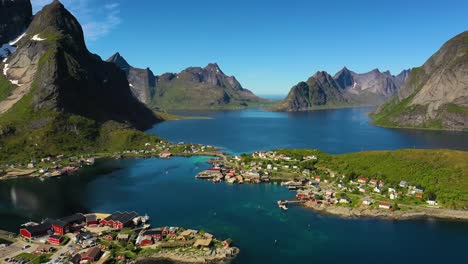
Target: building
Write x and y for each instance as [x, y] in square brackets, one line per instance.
[146, 241]
[431, 202]
[55, 240]
[367, 201]
[374, 182]
[385, 205]
[418, 195]
[156, 234]
[393, 196]
[33, 231]
[93, 254]
[68, 224]
[203, 243]
[91, 219]
[122, 237]
[165, 154]
[119, 220]
[403, 184]
[362, 180]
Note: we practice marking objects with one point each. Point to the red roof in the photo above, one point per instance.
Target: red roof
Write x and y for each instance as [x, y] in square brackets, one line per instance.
[362, 179]
[386, 204]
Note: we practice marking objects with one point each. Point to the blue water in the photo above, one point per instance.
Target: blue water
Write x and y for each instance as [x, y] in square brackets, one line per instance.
[168, 191]
[333, 131]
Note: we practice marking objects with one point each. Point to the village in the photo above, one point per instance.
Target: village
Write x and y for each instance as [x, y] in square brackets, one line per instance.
[121, 237]
[315, 186]
[62, 165]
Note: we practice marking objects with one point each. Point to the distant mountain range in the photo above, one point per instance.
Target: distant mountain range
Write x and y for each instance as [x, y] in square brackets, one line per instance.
[57, 97]
[194, 88]
[435, 95]
[345, 88]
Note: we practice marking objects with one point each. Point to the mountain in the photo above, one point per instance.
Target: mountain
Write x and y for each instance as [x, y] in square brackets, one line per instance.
[142, 81]
[345, 88]
[15, 16]
[193, 88]
[320, 90]
[435, 95]
[53, 89]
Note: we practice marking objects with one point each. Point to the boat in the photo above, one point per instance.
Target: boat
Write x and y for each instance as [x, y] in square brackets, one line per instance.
[145, 218]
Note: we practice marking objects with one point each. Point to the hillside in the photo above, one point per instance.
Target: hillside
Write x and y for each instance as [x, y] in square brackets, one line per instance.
[436, 95]
[194, 88]
[443, 173]
[57, 97]
[346, 88]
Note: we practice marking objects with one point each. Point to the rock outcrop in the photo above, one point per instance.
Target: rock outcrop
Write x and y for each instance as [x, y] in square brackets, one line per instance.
[435, 95]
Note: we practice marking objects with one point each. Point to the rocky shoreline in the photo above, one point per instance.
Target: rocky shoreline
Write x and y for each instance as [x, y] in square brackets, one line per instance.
[170, 256]
[413, 213]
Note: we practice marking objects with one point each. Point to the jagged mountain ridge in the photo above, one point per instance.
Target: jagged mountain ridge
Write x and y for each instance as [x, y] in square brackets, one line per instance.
[345, 88]
[192, 88]
[435, 95]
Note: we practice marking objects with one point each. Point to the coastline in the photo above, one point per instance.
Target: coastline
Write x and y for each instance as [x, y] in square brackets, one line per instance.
[178, 257]
[364, 212]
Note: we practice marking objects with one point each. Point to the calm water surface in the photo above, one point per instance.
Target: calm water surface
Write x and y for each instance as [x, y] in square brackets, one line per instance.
[168, 191]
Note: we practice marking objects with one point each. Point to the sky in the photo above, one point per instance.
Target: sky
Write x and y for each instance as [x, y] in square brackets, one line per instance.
[269, 45]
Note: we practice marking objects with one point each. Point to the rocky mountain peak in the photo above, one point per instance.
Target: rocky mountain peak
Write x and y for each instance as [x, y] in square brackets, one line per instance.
[15, 16]
[214, 67]
[120, 61]
[53, 20]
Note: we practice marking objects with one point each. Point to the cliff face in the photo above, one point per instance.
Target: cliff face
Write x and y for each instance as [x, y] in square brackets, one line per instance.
[15, 16]
[436, 94]
[193, 88]
[142, 81]
[57, 88]
[346, 88]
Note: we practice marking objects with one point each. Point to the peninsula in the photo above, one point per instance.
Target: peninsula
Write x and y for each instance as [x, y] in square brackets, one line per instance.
[391, 184]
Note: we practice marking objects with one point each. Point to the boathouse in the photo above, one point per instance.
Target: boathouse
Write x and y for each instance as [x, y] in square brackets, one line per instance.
[68, 224]
[119, 220]
[35, 230]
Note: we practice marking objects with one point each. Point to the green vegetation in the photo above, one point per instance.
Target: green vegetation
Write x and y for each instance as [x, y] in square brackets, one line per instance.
[5, 87]
[444, 173]
[34, 259]
[453, 108]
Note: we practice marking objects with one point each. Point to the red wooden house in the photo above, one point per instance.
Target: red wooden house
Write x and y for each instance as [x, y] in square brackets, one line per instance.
[93, 254]
[119, 220]
[55, 240]
[68, 224]
[147, 241]
[156, 234]
[35, 231]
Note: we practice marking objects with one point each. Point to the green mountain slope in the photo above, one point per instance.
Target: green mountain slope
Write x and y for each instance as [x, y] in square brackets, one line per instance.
[62, 99]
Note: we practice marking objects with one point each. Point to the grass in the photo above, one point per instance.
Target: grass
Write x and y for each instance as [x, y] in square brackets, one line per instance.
[34, 259]
[5, 88]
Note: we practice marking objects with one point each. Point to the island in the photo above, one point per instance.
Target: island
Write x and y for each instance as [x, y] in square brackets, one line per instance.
[120, 237]
[399, 184]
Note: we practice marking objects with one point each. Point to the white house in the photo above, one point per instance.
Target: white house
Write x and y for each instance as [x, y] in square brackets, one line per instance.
[377, 190]
[367, 202]
[393, 196]
[432, 202]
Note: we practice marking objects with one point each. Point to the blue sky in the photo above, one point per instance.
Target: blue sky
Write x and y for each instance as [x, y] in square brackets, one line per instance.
[269, 45]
